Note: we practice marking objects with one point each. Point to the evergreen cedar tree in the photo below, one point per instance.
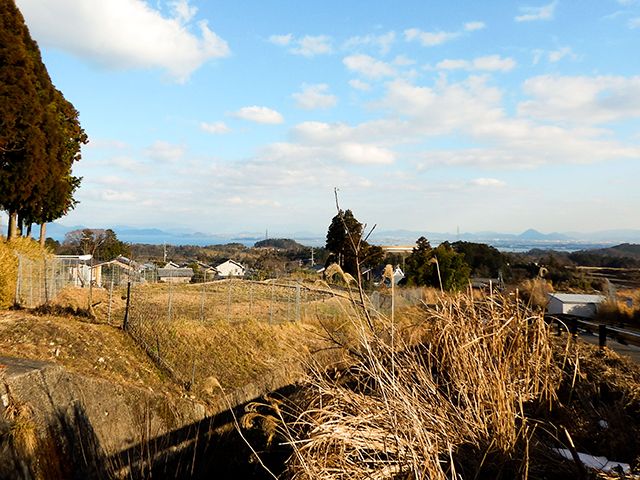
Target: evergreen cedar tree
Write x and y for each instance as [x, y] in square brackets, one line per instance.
[344, 233]
[40, 134]
[422, 268]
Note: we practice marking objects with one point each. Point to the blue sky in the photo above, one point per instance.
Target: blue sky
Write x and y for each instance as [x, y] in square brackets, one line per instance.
[224, 117]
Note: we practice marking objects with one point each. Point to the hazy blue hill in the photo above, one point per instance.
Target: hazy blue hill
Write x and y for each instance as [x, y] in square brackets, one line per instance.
[532, 234]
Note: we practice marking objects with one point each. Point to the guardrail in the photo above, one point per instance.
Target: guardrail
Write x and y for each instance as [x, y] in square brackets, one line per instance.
[573, 323]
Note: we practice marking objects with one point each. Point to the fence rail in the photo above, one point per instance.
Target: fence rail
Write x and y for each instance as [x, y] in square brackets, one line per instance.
[604, 331]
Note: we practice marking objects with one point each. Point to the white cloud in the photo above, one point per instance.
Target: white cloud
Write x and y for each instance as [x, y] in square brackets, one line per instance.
[634, 22]
[487, 183]
[106, 144]
[315, 96]
[557, 55]
[363, 154]
[368, 66]
[217, 128]
[123, 34]
[110, 195]
[429, 39]
[581, 99]
[489, 63]
[360, 85]
[310, 46]
[125, 163]
[259, 115]
[544, 12]
[382, 42]
[244, 201]
[165, 151]
[403, 61]
[281, 40]
[182, 11]
[473, 26]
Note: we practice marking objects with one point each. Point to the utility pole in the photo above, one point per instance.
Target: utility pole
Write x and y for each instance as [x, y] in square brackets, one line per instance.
[312, 259]
[164, 253]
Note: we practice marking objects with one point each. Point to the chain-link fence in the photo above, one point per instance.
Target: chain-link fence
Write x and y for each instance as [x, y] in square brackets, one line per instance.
[176, 323]
[39, 281]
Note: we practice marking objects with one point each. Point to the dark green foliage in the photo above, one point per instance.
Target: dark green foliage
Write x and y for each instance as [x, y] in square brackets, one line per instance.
[483, 260]
[346, 245]
[52, 244]
[40, 135]
[280, 243]
[625, 255]
[102, 244]
[424, 262]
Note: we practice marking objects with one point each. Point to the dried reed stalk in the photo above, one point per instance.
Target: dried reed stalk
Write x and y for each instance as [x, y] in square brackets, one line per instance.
[405, 410]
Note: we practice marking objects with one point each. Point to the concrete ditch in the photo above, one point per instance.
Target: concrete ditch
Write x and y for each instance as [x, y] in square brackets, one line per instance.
[56, 424]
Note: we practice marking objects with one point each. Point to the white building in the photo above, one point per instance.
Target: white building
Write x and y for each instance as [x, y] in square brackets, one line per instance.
[230, 268]
[574, 304]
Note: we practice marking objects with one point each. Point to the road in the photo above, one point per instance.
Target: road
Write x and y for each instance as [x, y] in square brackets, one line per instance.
[629, 350]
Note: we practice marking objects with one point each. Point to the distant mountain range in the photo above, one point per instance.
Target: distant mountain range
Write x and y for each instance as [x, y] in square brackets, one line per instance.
[506, 241]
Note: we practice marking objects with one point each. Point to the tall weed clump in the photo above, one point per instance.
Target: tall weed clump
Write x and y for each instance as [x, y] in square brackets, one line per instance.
[453, 392]
[9, 252]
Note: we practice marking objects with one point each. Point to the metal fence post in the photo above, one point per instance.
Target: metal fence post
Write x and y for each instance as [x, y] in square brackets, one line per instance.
[297, 302]
[271, 305]
[30, 284]
[110, 301]
[125, 324]
[202, 304]
[170, 299]
[602, 335]
[229, 302]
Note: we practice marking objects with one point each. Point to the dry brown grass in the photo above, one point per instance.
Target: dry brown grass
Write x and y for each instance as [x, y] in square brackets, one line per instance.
[410, 411]
[9, 265]
[534, 292]
[230, 334]
[624, 308]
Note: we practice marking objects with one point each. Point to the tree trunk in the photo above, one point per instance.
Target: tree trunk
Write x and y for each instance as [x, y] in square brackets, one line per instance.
[12, 231]
[43, 233]
[28, 235]
[19, 221]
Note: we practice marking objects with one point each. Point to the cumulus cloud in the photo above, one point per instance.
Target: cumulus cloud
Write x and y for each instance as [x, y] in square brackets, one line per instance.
[529, 14]
[382, 42]
[258, 114]
[562, 52]
[217, 128]
[315, 96]
[124, 34]
[489, 63]
[368, 66]
[110, 195]
[310, 46]
[307, 46]
[363, 154]
[165, 151]
[360, 85]
[581, 99]
[473, 26]
[281, 40]
[182, 11]
[487, 183]
[429, 39]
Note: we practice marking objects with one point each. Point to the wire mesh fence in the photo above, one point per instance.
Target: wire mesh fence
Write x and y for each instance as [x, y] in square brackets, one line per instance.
[178, 323]
[40, 281]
